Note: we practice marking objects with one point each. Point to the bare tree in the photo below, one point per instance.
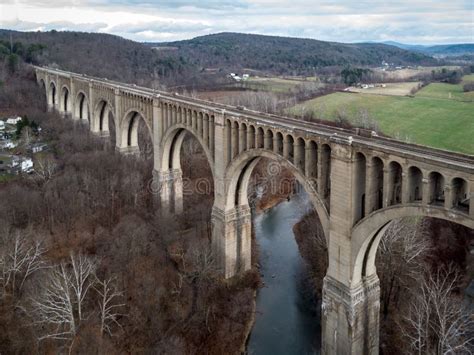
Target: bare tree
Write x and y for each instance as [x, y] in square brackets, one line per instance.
[19, 260]
[45, 167]
[108, 305]
[400, 258]
[60, 304]
[82, 279]
[54, 306]
[203, 266]
[438, 322]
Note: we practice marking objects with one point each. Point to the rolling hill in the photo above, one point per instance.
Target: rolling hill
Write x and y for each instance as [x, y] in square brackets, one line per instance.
[284, 55]
[185, 62]
[98, 54]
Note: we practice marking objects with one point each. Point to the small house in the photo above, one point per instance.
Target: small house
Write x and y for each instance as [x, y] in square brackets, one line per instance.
[8, 144]
[13, 120]
[14, 164]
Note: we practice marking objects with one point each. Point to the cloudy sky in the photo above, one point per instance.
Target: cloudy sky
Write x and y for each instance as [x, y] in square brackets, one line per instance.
[408, 21]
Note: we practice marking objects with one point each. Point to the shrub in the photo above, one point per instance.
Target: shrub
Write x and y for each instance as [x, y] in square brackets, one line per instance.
[468, 87]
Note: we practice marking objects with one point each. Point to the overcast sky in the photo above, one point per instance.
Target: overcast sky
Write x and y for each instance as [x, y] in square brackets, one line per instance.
[408, 21]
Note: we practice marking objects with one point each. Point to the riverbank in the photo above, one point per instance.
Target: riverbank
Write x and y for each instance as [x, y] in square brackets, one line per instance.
[313, 249]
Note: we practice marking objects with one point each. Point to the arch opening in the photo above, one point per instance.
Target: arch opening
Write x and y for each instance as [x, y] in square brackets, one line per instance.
[65, 107]
[52, 94]
[243, 138]
[325, 180]
[101, 117]
[405, 253]
[234, 139]
[269, 139]
[415, 184]
[251, 137]
[460, 195]
[82, 107]
[135, 135]
[394, 183]
[288, 148]
[259, 143]
[243, 166]
[436, 183]
[311, 160]
[300, 155]
[260, 179]
[188, 159]
[360, 185]
[42, 85]
[376, 202]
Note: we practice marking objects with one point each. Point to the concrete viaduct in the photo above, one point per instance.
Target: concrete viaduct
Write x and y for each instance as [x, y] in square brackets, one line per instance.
[357, 182]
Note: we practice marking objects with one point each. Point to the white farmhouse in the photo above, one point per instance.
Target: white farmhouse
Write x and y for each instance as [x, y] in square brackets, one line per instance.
[2, 125]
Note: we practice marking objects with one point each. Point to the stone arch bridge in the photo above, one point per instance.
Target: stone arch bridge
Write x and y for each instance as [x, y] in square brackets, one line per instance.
[357, 182]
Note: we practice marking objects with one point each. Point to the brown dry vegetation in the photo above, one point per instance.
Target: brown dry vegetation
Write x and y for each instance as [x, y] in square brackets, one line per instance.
[97, 204]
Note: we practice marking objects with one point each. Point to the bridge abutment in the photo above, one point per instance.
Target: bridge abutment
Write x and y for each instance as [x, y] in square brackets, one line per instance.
[168, 187]
[350, 307]
[350, 317]
[231, 242]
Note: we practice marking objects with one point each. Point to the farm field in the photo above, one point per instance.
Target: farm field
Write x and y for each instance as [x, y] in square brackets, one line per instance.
[220, 95]
[407, 73]
[273, 84]
[448, 91]
[396, 89]
[430, 118]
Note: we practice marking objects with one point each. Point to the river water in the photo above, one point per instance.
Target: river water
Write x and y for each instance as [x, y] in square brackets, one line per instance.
[288, 317]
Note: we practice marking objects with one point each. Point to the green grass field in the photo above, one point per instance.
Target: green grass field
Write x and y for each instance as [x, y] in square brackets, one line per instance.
[430, 118]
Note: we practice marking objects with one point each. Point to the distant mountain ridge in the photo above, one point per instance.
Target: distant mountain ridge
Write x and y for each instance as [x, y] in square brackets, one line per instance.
[441, 50]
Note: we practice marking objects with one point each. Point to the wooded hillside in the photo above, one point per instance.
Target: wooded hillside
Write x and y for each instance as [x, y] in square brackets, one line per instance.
[185, 62]
[285, 55]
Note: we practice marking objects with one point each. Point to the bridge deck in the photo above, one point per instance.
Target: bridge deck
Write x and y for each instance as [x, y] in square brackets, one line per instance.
[388, 145]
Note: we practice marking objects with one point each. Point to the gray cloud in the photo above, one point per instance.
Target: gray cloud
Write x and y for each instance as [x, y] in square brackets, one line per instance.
[421, 21]
[57, 25]
[159, 26]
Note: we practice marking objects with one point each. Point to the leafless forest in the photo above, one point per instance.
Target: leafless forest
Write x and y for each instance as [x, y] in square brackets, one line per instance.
[88, 264]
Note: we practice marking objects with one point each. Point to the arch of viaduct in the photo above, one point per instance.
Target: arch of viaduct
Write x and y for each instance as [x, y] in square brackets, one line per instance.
[357, 182]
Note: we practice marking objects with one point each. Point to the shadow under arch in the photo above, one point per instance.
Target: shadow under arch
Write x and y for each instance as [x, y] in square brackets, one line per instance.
[52, 97]
[172, 142]
[65, 100]
[42, 83]
[238, 175]
[100, 115]
[128, 127]
[367, 233]
[81, 106]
